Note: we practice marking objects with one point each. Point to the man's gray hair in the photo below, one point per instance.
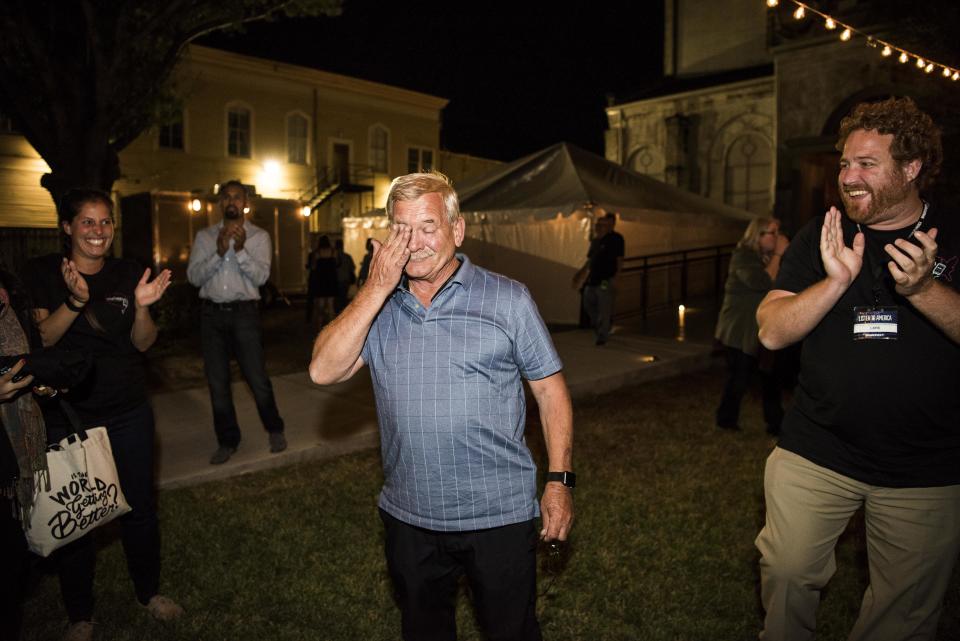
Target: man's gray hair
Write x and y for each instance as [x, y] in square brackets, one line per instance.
[412, 186]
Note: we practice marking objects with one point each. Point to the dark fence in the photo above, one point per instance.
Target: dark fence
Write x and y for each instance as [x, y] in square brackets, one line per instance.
[19, 244]
[660, 281]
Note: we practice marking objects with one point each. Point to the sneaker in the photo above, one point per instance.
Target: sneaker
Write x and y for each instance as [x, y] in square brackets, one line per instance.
[163, 608]
[278, 442]
[79, 631]
[222, 455]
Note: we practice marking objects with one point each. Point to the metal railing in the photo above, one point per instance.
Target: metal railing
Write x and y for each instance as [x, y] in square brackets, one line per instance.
[328, 181]
[657, 281]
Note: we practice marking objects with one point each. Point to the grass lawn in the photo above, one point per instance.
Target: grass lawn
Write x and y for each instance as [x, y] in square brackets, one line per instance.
[667, 510]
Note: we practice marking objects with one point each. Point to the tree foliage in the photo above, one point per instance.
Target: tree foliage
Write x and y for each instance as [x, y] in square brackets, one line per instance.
[81, 79]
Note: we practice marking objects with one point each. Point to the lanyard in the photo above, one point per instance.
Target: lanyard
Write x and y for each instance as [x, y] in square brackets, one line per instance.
[877, 270]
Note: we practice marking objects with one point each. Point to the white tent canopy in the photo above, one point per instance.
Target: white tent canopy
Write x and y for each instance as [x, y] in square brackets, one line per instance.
[531, 219]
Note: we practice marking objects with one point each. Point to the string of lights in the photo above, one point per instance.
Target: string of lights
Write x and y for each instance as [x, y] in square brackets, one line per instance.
[887, 49]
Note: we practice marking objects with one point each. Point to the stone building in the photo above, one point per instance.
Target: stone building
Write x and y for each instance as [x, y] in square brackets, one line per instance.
[751, 101]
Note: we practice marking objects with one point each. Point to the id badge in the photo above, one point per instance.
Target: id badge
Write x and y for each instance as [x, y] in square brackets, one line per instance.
[875, 323]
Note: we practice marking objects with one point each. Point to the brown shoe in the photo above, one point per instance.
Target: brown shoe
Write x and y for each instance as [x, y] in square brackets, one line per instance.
[79, 631]
[163, 608]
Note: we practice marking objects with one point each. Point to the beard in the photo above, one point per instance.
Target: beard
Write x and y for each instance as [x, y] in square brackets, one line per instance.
[893, 192]
[231, 213]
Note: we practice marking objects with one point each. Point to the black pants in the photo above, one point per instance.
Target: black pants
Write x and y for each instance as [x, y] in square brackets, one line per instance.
[500, 565]
[740, 369]
[15, 561]
[234, 330]
[131, 439]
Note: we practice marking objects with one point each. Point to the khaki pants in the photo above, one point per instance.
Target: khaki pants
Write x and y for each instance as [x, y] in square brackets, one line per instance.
[913, 536]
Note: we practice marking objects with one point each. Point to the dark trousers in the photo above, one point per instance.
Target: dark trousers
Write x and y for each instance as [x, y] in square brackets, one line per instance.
[740, 370]
[234, 330]
[500, 565]
[598, 301]
[131, 439]
[16, 565]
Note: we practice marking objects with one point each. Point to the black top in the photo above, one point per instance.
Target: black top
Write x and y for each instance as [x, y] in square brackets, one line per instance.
[322, 278]
[603, 256]
[884, 412]
[117, 382]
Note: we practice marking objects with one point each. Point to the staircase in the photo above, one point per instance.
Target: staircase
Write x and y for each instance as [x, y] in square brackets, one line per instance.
[330, 181]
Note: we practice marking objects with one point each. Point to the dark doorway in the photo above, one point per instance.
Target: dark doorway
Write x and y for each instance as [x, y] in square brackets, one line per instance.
[816, 188]
[341, 162]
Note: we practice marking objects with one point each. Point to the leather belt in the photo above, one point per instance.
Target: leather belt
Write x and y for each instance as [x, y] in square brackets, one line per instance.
[232, 305]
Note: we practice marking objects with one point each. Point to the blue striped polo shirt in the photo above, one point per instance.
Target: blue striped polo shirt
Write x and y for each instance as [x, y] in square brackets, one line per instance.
[450, 401]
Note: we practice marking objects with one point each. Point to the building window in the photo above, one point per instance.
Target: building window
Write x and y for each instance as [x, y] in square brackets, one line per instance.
[297, 137]
[379, 149]
[419, 159]
[748, 173]
[238, 132]
[171, 133]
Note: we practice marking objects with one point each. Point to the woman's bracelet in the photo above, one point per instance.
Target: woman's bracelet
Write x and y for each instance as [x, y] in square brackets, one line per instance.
[76, 309]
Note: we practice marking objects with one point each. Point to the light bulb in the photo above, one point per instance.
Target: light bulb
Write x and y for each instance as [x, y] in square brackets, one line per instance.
[772, 3]
[845, 35]
[904, 57]
[929, 68]
[799, 13]
[920, 63]
[886, 51]
[830, 24]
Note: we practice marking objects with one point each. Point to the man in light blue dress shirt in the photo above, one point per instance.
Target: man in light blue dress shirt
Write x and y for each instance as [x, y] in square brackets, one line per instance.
[448, 344]
[229, 262]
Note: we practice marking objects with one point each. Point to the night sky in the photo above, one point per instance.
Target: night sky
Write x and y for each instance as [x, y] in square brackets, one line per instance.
[519, 76]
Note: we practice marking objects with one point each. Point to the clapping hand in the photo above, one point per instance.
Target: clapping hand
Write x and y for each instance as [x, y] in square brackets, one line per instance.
[223, 240]
[76, 283]
[842, 263]
[239, 237]
[149, 292]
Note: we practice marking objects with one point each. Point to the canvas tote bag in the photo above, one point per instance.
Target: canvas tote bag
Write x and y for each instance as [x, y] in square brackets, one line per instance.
[83, 491]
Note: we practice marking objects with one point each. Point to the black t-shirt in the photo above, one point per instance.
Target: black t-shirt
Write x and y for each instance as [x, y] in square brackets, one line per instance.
[884, 412]
[603, 256]
[117, 380]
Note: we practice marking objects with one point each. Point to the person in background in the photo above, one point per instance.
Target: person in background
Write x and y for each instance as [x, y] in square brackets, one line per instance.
[346, 276]
[604, 262]
[322, 281]
[88, 300]
[753, 266]
[229, 262]
[365, 264]
[23, 459]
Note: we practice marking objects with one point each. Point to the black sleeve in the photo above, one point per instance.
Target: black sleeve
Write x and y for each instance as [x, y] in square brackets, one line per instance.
[621, 246]
[801, 265]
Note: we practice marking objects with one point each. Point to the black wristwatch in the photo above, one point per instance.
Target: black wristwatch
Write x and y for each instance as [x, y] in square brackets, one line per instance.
[569, 479]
